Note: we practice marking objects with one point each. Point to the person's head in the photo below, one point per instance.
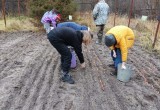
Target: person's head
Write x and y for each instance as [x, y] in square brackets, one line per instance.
[110, 40]
[58, 18]
[87, 36]
[100, 0]
[55, 11]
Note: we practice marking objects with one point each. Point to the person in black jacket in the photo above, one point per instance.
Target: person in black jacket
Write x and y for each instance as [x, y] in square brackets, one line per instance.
[63, 37]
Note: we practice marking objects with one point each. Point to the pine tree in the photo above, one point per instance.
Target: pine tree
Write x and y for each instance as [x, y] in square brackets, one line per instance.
[39, 7]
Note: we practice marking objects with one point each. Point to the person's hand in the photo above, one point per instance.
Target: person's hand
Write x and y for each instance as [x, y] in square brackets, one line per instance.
[83, 65]
[114, 54]
[94, 18]
[52, 28]
[123, 65]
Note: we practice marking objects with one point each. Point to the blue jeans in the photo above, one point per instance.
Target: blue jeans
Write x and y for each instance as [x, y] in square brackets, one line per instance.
[118, 59]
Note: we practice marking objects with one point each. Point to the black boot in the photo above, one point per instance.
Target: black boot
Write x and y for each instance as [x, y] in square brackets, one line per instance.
[99, 41]
[67, 78]
[114, 73]
[111, 65]
[99, 35]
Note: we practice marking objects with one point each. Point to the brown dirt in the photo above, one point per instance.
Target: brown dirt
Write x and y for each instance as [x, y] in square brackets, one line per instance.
[29, 78]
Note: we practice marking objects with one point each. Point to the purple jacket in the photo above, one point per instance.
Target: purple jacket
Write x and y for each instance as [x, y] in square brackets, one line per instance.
[49, 17]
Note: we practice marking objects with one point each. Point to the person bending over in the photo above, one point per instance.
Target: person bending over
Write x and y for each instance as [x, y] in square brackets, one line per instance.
[63, 37]
[119, 39]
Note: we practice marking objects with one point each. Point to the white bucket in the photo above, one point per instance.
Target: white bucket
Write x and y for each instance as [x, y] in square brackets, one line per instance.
[144, 18]
[70, 17]
[124, 75]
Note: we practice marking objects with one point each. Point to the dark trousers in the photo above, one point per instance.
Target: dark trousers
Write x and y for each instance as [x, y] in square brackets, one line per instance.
[100, 29]
[65, 54]
[118, 59]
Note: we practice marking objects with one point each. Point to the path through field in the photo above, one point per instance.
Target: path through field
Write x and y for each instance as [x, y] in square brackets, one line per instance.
[30, 71]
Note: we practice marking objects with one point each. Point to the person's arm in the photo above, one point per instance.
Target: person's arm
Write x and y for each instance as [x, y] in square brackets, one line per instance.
[78, 50]
[114, 54]
[53, 23]
[95, 12]
[79, 53]
[53, 20]
[124, 52]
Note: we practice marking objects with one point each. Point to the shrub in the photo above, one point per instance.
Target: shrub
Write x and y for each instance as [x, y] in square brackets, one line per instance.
[39, 7]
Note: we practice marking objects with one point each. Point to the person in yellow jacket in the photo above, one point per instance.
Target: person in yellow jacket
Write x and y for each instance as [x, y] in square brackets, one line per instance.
[119, 39]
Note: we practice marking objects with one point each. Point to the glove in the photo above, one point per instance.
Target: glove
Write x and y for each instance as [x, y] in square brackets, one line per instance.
[114, 54]
[52, 28]
[83, 65]
[123, 65]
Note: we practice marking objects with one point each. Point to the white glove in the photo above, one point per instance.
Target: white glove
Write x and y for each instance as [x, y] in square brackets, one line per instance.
[114, 54]
[123, 65]
[52, 28]
[83, 65]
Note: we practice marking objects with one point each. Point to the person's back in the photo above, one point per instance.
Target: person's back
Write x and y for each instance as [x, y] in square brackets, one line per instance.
[123, 32]
[100, 15]
[100, 12]
[72, 25]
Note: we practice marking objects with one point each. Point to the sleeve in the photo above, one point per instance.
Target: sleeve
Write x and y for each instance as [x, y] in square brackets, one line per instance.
[124, 50]
[95, 11]
[130, 39]
[78, 50]
[53, 20]
[53, 23]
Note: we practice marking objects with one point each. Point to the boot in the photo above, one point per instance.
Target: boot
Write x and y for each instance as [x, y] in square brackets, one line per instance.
[114, 73]
[67, 78]
[99, 41]
[111, 65]
[99, 35]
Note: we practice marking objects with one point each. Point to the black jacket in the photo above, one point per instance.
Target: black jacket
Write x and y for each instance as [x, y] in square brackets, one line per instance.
[69, 37]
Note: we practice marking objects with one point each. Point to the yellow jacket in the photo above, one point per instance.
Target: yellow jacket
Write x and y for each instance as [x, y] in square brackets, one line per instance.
[125, 39]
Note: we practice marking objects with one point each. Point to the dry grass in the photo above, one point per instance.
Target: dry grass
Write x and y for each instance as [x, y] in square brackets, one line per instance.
[84, 18]
[144, 30]
[17, 24]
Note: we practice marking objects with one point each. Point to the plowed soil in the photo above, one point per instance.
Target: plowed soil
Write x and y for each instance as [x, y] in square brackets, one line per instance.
[30, 72]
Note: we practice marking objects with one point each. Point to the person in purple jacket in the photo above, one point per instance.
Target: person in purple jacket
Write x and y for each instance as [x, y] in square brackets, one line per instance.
[61, 38]
[50, 19]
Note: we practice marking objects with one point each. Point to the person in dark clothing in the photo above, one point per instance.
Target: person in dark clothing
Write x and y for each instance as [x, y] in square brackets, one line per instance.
[76, 27]
[63, 37]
